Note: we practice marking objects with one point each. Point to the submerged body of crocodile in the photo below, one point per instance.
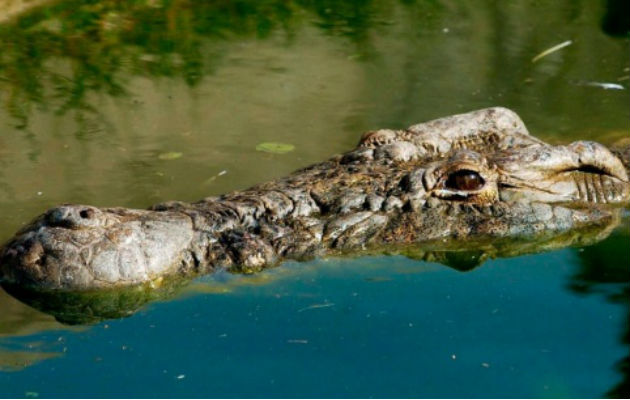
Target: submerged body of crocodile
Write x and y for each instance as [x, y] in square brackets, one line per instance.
[471, 175]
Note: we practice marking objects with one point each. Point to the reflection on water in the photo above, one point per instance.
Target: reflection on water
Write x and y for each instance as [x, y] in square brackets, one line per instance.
[604, 271]
[59, 57]
[92, 307]
[17, 320]
[12, 360]
[375, 325]
[93, 92]
[89, 307]
[616, 20]
[599, 272]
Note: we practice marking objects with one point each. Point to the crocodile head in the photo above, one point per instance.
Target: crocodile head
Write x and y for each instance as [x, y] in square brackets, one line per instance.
[469, 176]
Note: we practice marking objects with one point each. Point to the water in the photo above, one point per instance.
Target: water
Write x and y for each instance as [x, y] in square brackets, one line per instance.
[94, 92]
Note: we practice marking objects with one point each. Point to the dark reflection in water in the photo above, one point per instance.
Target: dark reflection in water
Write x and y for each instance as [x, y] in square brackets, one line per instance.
[616, 21]
[604, 272]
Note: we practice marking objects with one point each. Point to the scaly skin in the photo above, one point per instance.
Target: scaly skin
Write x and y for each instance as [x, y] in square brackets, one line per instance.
[465, 177]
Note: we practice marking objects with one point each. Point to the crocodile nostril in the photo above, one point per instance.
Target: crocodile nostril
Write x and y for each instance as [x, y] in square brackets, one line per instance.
[86, 213]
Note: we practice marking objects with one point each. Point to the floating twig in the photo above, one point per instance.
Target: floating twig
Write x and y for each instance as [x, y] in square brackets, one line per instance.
[603, 85]
[314, 306]
[552, 50]
[213, 177]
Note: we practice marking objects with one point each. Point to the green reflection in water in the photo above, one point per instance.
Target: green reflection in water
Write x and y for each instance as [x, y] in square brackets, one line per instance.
[99, 89]
[55, 57]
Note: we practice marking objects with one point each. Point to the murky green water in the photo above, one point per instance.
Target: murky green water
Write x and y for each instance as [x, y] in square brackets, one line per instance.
[99, 98]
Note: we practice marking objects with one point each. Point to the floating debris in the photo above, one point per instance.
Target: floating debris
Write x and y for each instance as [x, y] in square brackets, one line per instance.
[602, 85]
[378, 279]
[300, 341]
[171, 155]
[181, 376]
[274, 147]
[214, 177]
[315, 306]
[485, 365]
[552, 50]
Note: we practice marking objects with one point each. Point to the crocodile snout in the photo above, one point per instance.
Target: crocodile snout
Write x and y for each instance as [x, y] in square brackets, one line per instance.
[75, 247]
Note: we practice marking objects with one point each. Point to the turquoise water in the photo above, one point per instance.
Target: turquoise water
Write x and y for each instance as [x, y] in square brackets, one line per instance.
[132, 103]
[382, 327]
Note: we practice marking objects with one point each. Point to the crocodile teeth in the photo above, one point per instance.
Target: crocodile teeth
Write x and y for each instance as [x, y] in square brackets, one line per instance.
[596, 188]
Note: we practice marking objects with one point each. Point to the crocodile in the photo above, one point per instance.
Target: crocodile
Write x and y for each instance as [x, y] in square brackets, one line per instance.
[92, 306]
[461, 179]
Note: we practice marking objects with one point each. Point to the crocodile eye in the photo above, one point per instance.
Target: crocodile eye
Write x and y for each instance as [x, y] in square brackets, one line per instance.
[464, 179]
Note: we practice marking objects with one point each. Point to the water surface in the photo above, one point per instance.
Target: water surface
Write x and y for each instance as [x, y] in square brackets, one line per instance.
[132, 103]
